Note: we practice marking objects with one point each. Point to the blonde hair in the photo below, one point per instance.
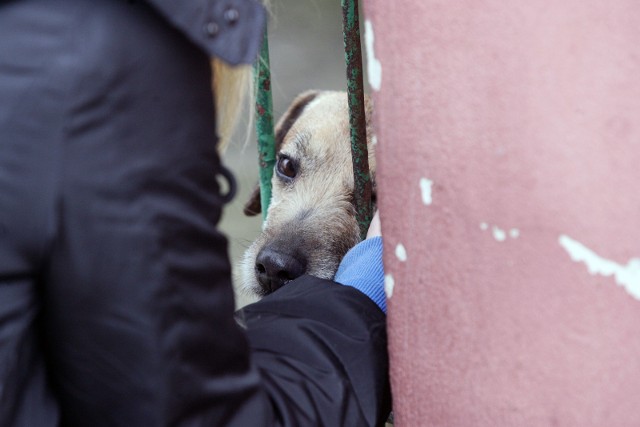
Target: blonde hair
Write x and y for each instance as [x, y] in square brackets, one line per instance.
[233, 92]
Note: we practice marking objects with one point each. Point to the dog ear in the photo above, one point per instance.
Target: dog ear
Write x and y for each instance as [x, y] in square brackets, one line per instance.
[254, 206]
[293, 113]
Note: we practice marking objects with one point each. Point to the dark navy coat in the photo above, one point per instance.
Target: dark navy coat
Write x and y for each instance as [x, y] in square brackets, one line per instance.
[116, 305]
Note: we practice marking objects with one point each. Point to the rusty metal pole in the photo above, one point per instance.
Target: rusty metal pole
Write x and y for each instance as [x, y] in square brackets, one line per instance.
[264, 124]
[357, 119]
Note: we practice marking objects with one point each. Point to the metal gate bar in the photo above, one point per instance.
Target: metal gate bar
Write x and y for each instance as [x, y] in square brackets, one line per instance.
[264, 124]
[357, 120]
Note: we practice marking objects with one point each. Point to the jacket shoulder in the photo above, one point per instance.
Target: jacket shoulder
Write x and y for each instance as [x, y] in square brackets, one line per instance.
[230, 30]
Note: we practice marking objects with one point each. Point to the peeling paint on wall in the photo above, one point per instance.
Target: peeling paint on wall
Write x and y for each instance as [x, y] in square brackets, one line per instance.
[401, 252]
[374, 67]
[627, 276]
[425, 188]
[499, 234]
[389, 284]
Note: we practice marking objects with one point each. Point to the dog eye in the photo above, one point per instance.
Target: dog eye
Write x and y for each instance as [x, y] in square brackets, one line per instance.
[286, 167]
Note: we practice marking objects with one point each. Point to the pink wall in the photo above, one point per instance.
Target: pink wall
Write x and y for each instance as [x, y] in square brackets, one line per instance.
[516, 301]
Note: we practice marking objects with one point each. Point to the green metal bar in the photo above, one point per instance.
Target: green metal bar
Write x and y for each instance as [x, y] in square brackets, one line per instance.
[264, 124]
[357, 119]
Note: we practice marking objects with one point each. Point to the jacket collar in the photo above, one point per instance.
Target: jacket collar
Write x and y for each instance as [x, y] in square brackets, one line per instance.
[228, 29]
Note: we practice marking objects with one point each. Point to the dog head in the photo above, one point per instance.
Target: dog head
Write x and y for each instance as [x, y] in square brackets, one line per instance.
[311, 222]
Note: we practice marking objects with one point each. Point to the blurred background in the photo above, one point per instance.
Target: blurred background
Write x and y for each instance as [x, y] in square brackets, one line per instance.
[307, 52]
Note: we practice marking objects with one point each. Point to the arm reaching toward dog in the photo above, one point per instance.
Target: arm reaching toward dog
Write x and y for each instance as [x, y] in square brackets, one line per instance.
[320, 347]
[375, 229]
[321, 351]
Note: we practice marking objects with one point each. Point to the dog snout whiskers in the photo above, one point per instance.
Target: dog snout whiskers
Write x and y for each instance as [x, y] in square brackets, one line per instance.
[274, 268]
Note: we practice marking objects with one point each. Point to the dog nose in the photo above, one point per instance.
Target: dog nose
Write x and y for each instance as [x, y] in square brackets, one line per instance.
[274, 268]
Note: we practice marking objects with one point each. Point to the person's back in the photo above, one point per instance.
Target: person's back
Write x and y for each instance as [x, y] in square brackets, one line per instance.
[116, 306]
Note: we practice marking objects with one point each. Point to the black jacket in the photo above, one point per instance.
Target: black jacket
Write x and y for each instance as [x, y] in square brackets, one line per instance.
[116, 306]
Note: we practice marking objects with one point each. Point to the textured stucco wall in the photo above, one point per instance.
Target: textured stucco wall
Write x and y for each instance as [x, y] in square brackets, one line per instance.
[509, 161]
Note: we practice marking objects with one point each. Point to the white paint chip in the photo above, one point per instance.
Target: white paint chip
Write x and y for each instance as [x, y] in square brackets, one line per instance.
[374, 140]
[425, 188]
[389, 283]
[627, 276]
[374, 67]
[401, 252]
[499, 234]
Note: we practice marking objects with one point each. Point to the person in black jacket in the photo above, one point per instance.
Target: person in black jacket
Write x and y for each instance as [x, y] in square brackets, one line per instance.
[116, 305]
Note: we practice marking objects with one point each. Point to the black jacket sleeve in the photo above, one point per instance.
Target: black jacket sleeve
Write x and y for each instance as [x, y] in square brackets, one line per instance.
[320, 348]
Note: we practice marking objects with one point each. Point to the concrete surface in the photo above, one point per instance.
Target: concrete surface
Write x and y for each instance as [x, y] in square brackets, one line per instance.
[508, 170]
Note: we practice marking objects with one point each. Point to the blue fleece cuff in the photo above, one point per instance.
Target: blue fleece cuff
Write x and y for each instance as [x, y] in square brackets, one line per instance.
[362, 269]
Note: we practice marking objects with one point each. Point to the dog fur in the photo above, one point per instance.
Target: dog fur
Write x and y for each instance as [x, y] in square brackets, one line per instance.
[311, 218]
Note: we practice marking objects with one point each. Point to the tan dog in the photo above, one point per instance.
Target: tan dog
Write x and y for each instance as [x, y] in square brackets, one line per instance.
[311, 222]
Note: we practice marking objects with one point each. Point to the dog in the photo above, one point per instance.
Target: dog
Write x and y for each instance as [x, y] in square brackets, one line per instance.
[310, 223]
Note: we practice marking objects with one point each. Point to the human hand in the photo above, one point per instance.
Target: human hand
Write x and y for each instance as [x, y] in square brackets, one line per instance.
[374, 227]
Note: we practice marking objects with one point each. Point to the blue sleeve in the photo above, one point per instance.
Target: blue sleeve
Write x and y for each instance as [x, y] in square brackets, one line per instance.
[362, 269]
